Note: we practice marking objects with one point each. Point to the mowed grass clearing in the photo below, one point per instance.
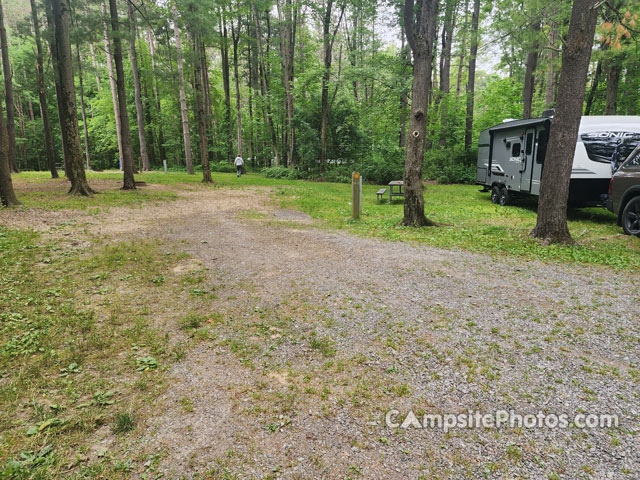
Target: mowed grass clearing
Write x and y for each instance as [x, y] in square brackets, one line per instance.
[467, 217]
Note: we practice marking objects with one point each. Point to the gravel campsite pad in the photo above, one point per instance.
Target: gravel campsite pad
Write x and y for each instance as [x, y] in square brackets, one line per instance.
[315, 338]
[323, 333]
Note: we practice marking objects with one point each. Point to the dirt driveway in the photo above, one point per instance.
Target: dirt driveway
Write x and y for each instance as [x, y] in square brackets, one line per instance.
[321, 334]
[315, 336]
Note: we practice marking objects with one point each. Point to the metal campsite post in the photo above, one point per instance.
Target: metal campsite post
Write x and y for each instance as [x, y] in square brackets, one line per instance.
[164, 164]
[356, 194]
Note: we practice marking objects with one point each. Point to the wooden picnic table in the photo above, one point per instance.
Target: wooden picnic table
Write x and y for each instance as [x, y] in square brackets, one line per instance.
[399, 192]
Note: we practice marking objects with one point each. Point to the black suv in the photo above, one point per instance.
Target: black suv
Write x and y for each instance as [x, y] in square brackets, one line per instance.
[624, 193]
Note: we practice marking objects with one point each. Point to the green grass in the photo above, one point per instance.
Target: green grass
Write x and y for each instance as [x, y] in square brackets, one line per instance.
[70, 342]
[470, 221]
[467, 217]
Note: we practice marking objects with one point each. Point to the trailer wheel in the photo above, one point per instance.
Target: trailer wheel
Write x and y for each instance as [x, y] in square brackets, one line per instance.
[495, 195]
[631, 217]
[505, 197]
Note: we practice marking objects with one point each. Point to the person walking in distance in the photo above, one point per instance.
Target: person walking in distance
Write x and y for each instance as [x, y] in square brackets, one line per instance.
[239, 163]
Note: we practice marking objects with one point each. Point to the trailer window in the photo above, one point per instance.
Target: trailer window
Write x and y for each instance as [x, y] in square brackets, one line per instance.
[543, 138]
[529, 143]
[515, 150]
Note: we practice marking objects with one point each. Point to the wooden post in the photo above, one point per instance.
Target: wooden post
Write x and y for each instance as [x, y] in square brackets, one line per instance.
[356, 194]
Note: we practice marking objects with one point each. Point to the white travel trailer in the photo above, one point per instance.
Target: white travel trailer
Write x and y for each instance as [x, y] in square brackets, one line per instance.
[511, 156]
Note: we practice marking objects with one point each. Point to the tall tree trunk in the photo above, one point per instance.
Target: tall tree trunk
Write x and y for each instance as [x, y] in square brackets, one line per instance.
[148, 121]
[530, 72]
[32, 121]
[552, 55]
[235, 34]
[556, 175]
[7, 195]
[288, 24]
[8, 93]
[183, 98]
[264, 86]
[445, 69]
[200, 113]
[53, 54]
[154, 86]
[42, 95]
[83, 111]
[67, 101]
[210, 119]
[129, 182]
[226, 84]
[23, 146]
[471, 82]
[133, 58]
[420, 34]
[594, 88]
[112, 82]
[463, 48]
[352, 45]
[327, 39]
[613, 80]
[208, 109]
[95, 66]
[251, 83]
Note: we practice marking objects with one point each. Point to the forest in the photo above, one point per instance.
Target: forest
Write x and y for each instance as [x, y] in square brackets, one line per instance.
[310, 89]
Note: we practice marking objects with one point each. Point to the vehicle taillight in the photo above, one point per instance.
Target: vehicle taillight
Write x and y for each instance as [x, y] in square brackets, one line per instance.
[611, 186]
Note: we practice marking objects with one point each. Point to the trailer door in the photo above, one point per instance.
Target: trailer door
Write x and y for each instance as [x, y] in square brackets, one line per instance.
[539, 151]
[527, 159]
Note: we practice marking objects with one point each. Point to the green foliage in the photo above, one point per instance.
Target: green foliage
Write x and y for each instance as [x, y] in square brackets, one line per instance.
[451, 166]
[223, 167]
[282, 173]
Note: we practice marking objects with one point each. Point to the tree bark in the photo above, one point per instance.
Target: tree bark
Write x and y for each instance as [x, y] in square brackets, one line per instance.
[251, 83]
[154, 86]
[112, 82]
[23, 146]
[463, 48]
[183, 98]
[226, 84]
[594, 88]
[554, 189]
[264, 86]
[42, 95]
[83, 111]
[133, 58]
[7, 194]
[420, 30]
[530, 72]
[148, 121]
[613, 81]
[95, 66]
[56, 77]
[129, 182]
[471, 82]
[288, 22]
[67, 101]
[235, 35]
[552, 55]
[445, 69]
[200, 112]
[8, 94]
[327, 39]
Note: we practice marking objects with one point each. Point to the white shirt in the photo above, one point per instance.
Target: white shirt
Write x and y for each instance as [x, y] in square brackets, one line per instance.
[239, 162]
